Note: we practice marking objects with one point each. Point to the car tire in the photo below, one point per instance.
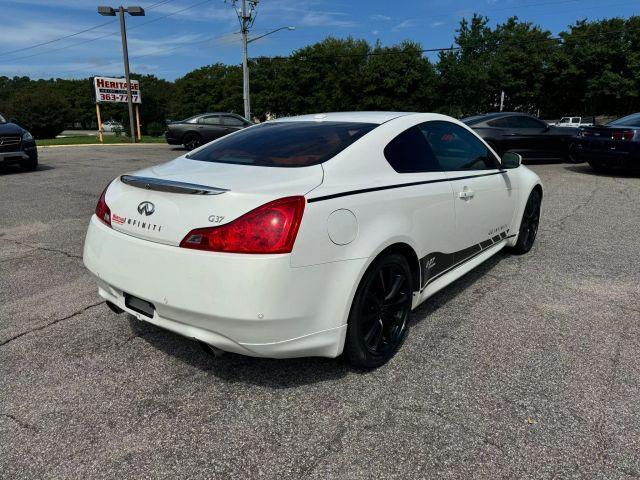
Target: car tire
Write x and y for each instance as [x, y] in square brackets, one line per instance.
[29, 165]
[599, 168]
[192, 141]
[529, 224]
[571, 155]
[379, 315]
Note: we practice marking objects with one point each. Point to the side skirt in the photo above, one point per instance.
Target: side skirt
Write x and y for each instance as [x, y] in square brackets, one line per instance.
[437, 284]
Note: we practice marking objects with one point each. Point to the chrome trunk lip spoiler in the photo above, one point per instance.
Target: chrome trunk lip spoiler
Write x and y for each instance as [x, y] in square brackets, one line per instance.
[161, 185]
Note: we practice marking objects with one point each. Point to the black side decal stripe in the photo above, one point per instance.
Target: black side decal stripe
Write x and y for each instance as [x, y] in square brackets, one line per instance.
[399, 185]
[436, 264]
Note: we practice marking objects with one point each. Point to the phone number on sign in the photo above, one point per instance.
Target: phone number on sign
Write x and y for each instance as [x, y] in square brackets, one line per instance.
[114, 97]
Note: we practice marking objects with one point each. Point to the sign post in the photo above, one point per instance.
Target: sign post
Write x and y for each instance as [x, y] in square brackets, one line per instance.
[99, 122]
[138, 121]
[115, 90]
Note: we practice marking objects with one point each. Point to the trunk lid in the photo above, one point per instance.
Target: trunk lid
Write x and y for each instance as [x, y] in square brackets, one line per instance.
[605, 137]
[165, 202]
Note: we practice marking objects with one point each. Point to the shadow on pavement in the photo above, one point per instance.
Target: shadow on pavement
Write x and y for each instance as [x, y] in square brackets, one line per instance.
[232, 368]
[288, 373]
[14, 168]
[586, 169]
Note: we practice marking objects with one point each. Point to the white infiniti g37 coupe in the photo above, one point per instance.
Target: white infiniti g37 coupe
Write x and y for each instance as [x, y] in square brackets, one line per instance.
[311, 235]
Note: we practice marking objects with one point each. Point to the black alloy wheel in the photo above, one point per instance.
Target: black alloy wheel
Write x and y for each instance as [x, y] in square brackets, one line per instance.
[599, 167]
[529, 224]
[380, 312]
[192, 140]
[571, 154]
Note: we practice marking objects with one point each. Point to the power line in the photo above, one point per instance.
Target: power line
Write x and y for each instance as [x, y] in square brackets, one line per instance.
[139, 25]
[442, 49]
[95, 27]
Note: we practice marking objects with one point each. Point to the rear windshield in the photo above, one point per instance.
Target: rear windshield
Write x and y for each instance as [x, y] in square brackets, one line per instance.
[284, 144]
[628, 121]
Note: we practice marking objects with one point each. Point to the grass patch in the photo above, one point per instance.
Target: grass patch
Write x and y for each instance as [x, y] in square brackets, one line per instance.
[86, 139]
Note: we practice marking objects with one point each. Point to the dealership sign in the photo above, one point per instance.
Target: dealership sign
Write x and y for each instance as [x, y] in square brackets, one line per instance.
[115, 90]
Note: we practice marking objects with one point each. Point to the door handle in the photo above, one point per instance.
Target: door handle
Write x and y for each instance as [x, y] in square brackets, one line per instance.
[466, 194]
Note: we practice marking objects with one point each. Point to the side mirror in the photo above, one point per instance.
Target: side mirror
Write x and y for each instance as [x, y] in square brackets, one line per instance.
[511, 160]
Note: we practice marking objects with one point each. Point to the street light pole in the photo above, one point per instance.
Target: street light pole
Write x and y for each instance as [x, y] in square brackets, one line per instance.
[125, 54]
[134, 12]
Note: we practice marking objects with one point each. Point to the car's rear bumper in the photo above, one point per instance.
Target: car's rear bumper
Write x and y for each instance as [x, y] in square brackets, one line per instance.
[607, 157]
[250, 304]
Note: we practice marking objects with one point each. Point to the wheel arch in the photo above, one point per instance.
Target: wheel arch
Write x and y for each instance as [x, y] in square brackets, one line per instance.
[189, 132]
[406, 251]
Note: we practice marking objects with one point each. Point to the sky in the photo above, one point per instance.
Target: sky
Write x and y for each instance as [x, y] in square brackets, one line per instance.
[177, 36]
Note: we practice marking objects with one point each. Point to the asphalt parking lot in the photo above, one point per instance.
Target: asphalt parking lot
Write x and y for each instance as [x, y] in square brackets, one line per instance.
[527, 367]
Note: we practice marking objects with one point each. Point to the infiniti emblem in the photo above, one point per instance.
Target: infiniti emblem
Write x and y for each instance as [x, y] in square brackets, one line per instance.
[146, 208]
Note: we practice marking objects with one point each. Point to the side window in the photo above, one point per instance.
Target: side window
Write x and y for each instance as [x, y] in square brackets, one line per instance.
[211, 120]
[528, 122]
[233, 122]
[456, 148]
[410, 152]
[504, 122]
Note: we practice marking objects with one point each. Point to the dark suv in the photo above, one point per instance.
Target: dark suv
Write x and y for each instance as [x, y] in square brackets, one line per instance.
[17, 145]
[203, 128]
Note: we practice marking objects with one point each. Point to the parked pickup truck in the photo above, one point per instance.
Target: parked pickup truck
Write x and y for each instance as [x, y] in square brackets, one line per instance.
[573, 122]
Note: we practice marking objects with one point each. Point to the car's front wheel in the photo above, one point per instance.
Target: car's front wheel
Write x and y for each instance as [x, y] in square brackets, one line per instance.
[29, 165]
[379, 315]
[529, 224]
[191, 141]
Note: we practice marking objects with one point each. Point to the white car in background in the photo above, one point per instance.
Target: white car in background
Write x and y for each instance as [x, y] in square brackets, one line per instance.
[112, 126]
[572, 122]
[311, 235]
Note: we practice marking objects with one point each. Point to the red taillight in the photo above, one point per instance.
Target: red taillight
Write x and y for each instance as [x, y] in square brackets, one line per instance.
[271, 228]
[623, 135]
[103, 212]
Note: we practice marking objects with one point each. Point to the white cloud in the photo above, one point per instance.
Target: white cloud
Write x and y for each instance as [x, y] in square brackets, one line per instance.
[377, 17]
[406, 24]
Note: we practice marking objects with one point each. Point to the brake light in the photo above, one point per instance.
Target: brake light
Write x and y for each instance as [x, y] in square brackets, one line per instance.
[625, 135]
[270, 228]
[103, 212]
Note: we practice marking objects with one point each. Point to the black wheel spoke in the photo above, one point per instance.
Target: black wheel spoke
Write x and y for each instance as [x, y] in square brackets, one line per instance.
[374, 336]
[384, 310]
[395, 288]
[397, 303]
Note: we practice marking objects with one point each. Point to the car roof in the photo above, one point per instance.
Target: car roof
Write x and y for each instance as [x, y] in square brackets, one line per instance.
[476, 119]
[355, 117]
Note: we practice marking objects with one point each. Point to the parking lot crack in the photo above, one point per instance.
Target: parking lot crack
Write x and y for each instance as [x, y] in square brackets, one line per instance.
[561, 222]
[47, 325]
[21, 423]
[45, 249]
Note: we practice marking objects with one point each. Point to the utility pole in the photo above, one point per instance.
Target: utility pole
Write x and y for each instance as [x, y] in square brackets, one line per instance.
[246, 17]
[502, 100]
[134, 12]
[125, 54]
